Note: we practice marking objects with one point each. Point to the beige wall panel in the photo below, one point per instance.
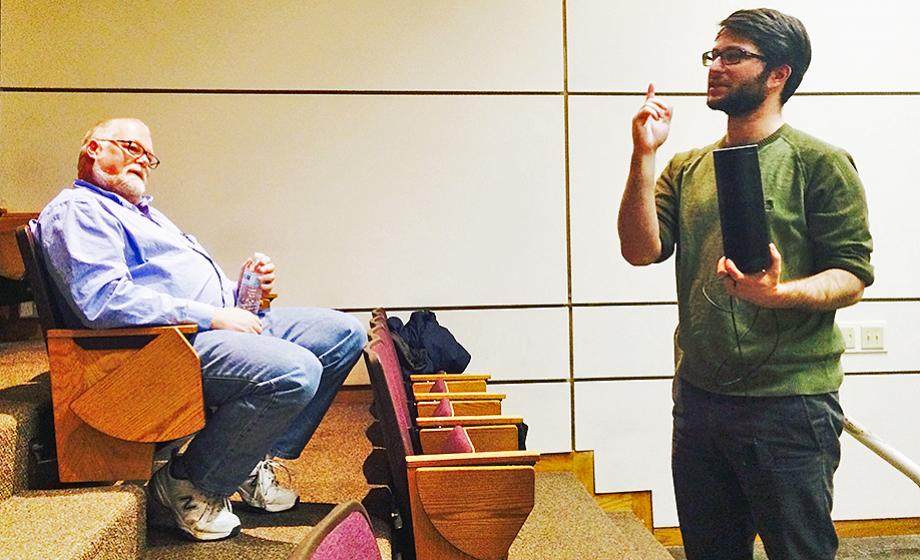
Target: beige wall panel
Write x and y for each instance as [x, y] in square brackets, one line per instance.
[882, 148]
[628, 425]
[865, 486]
[329, 44]
[600, 145]
[857, 45]
[546, 410]
[360, 200]
[901, 322]
[511, 344]
[624, 341]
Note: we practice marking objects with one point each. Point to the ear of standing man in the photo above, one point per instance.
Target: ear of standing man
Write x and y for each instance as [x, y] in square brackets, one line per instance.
[757, 417]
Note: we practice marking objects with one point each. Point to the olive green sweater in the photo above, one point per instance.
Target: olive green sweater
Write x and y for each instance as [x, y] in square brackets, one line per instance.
[817, 218]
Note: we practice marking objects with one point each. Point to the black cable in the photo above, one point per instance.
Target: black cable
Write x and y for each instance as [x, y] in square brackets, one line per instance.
[740, 338]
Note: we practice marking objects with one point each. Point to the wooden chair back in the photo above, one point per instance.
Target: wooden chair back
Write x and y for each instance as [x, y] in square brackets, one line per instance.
[52, 313]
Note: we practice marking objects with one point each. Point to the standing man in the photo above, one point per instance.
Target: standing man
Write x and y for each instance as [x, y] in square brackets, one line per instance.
[267, 378]
[756, 413]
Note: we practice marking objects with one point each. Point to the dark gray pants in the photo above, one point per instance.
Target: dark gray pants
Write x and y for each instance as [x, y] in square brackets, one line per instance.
[755, 465]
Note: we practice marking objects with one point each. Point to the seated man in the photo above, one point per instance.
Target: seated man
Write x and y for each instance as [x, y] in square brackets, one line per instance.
[267, 378]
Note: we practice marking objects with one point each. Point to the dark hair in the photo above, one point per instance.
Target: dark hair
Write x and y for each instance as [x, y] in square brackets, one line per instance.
[781, 38]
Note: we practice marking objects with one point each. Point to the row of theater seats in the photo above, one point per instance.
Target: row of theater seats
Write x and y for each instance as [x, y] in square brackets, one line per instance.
[461, 486]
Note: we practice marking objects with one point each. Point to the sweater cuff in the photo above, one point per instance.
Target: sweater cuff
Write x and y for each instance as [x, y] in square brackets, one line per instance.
[200, 313]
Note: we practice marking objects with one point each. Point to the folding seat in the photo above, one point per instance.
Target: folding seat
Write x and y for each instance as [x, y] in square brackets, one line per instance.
[450, 505]
[115, 392]
[344, 534]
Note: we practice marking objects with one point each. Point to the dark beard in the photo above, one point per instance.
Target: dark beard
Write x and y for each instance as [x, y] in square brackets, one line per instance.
[744, 100]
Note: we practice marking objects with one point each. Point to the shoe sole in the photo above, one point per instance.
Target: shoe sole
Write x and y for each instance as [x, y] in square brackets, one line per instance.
[262, 511]
[184, 531]
[207, 537]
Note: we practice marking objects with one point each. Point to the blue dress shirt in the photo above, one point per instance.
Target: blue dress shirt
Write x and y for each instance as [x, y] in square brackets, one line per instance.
[119, 265]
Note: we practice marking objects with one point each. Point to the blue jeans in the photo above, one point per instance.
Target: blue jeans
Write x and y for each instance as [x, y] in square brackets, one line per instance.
[755, 465]
[267, 392]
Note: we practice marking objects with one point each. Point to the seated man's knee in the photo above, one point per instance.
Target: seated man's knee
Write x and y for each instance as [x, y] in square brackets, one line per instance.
[355, 334]
[300, 381]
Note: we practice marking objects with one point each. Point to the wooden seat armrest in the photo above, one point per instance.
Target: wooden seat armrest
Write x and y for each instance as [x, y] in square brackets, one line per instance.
[154, 396]
[438, 421]
[449, 376]
[453, 386]
[131, 331]
[474, 511]
[267, 299]
[460, 396]
[490, 458]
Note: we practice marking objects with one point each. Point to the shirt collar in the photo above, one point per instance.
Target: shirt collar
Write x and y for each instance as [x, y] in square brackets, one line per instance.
[143, 204]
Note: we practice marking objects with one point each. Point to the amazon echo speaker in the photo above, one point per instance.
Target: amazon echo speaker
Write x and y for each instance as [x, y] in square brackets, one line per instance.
[741, 210]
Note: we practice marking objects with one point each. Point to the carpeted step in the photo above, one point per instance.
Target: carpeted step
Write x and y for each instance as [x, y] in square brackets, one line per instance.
[639, 536]
[21, 361]
[567, 524]
[18, 422]
[76, 524]
[24, 394]
[330, 471]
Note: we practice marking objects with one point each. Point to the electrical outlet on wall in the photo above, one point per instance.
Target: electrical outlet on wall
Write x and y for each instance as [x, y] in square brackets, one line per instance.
[850, 334]
[863, 338]
[872, 337]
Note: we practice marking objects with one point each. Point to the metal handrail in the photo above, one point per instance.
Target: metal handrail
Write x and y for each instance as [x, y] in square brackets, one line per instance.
[894, 457]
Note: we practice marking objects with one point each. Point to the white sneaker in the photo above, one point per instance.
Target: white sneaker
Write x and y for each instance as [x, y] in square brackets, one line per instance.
[261, 489]
[202, 516]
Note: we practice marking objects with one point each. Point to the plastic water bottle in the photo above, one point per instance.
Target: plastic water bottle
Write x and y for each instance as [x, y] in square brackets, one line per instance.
[249, 292]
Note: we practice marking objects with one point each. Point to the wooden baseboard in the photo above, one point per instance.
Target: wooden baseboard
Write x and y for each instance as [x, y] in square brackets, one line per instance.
[670, 536]
[640, 503]
[355, 394]
[581, 463]
[878, 527]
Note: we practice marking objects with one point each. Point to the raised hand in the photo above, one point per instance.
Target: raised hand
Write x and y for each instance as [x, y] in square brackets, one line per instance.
[651, 125]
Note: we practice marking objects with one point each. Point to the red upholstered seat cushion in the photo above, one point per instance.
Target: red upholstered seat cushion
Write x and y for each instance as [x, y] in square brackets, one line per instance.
[444, 408]
[459, 442]
[344, 534]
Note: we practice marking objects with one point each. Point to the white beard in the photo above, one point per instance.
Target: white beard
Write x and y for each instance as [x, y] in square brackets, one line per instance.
[128, 185]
